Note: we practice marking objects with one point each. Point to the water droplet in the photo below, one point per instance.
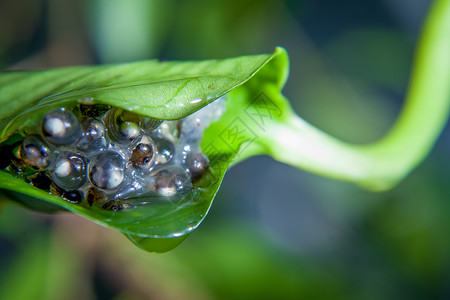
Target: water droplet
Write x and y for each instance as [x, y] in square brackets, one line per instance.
[195, 101]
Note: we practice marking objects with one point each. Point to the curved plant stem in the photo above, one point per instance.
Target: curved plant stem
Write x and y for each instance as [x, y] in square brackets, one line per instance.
[382, 164]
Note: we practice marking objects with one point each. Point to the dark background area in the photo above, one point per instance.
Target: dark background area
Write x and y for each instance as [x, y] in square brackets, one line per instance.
[273, 232]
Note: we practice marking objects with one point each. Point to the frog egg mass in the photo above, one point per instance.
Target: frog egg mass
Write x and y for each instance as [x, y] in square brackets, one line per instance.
[108, 158]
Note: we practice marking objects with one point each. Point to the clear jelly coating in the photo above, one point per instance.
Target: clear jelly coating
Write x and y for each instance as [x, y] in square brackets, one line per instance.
[106, 157]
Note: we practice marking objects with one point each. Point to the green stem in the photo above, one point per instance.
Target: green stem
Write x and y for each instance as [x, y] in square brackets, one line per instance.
[382, 164]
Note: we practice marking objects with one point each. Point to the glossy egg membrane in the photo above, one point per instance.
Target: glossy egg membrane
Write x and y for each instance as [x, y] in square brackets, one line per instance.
[107, 158]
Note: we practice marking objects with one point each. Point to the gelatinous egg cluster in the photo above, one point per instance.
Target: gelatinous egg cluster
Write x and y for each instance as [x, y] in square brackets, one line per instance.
[107, 157]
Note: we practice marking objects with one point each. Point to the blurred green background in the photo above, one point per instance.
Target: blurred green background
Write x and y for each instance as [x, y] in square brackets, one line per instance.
[273, 232]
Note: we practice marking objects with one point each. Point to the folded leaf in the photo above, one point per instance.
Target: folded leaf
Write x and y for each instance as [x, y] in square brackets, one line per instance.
[161, 90]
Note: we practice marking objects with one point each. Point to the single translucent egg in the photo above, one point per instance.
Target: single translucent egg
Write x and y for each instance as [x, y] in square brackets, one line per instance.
[61, 127]
[123, 126]
[93, 136]
[197, 165]
[107, 170]
[165, 148]
[69, 172]
[143, 155]
[150, 124]
[170, 182]
[35, 153]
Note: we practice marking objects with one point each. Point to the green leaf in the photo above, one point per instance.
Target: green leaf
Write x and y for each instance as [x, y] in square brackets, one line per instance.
[251, 110]
[163, 90]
